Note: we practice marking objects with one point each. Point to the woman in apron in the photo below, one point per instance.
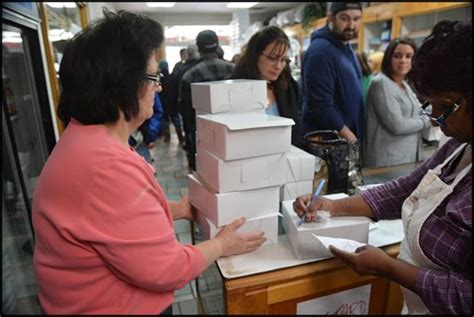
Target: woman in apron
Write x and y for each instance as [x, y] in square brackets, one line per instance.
[434, 266]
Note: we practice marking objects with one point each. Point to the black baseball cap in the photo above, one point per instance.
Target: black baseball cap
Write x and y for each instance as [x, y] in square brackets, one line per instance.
[207, 41]
[336, 7]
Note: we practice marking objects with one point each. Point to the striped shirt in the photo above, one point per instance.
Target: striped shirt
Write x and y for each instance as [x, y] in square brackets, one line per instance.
[445, 237]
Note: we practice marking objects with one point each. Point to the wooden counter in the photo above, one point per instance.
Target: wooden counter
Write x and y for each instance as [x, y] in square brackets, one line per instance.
[278, 292]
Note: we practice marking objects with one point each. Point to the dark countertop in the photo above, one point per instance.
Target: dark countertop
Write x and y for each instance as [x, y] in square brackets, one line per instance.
[384, 174]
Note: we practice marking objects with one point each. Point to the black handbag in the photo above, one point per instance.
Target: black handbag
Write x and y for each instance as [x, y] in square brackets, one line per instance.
[342, 158]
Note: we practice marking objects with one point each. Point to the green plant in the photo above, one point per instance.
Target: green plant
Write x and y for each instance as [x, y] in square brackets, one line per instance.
[313, 11]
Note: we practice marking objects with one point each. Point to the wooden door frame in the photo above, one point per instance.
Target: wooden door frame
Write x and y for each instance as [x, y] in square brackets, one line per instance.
[48, 47]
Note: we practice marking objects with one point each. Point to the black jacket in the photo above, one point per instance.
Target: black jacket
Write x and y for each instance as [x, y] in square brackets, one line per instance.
[288, 103]
[179, 75]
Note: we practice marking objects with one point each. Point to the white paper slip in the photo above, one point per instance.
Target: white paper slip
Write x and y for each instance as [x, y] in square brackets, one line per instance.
[343, 244]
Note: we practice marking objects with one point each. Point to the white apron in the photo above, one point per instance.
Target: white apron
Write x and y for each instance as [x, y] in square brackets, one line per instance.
[428, 195]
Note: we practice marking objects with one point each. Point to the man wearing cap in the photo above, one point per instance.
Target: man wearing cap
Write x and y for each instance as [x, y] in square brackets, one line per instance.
[209, 68]
[331, 75]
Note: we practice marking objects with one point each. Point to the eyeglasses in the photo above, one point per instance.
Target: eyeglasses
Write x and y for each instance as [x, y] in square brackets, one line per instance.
[155, 79]
[274, 60]
[427, 110]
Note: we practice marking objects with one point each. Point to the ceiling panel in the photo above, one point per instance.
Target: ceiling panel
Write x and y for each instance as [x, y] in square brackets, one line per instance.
[204, 7]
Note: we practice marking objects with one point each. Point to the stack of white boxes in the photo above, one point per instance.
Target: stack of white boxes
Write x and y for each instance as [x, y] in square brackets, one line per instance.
[241, 157]
[300, 174]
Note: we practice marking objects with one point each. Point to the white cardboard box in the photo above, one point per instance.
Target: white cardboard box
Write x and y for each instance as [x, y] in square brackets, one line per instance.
[268, 224]
[290, 191]
[223, 208]
[229, 95]
[300, 165]
[243, 174]
[231, 136]
[305, 246]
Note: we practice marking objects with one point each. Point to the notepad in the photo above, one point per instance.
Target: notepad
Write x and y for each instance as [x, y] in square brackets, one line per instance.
[343, 244]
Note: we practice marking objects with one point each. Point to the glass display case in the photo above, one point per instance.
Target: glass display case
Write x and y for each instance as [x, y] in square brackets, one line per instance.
[377, 35]
[418, 27]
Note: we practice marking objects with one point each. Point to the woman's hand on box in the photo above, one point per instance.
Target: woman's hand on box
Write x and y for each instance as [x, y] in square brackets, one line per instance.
[233, 242]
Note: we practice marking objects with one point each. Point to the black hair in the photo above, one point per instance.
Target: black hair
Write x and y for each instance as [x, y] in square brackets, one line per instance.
[247, 64]
[387, 56]
[104, 67]
[444, 61]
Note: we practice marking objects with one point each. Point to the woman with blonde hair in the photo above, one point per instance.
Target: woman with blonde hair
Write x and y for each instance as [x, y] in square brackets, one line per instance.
[375, 61]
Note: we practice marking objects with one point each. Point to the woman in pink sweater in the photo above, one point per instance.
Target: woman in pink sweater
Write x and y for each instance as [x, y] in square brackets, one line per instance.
[105, 242]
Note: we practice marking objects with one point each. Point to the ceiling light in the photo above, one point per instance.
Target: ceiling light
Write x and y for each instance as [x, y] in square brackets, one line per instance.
[161, 4]
[241, 5]
[11, 40]
[59, 5]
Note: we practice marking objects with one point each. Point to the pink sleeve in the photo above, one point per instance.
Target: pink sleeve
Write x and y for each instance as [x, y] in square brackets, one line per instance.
[127, 221]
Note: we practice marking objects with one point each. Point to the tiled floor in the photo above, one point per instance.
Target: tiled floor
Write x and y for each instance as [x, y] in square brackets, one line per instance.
[18, 280]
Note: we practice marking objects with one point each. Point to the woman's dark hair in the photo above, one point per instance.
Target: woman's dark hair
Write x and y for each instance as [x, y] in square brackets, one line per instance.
[444, 61]
[104, 67]
[247, 64]
[387, 57]
[364, 64]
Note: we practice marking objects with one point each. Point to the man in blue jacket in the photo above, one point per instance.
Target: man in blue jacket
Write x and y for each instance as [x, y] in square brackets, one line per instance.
[331, 75]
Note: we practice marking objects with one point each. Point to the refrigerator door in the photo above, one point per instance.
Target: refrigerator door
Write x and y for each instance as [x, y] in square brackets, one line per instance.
[27, 139]
[21, 107]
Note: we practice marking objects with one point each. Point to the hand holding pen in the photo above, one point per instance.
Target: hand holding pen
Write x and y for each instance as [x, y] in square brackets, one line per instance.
[315, 194]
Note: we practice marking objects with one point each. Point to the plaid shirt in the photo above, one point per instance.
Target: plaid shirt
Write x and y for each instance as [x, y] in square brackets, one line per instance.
[445, 237]
[210, 68]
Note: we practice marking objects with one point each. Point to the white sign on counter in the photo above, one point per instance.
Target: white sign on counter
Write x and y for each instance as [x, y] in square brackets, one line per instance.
[354, 301]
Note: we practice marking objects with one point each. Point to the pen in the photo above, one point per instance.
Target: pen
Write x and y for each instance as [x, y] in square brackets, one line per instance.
[316, 193]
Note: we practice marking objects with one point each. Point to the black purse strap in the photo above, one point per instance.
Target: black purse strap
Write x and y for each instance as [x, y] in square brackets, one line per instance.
[324, 137]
